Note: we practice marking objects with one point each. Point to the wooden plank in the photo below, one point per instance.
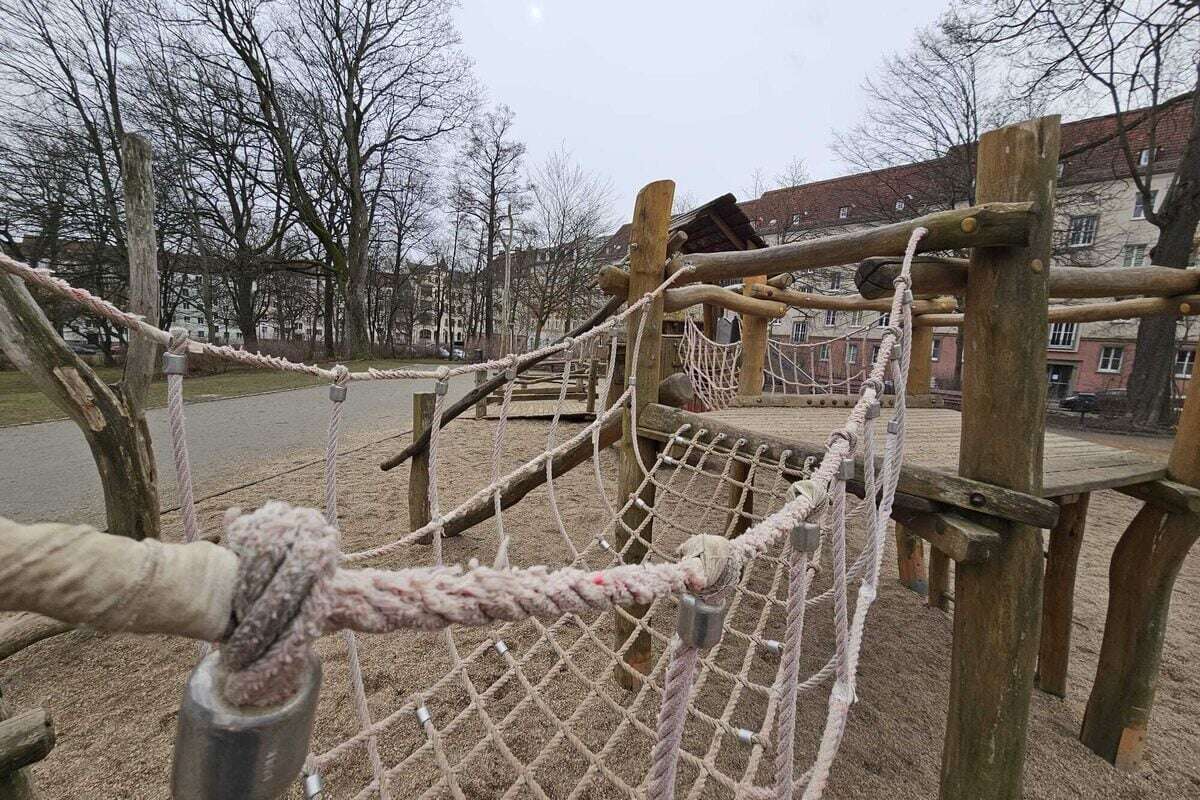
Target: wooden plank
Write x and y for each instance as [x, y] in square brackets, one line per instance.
[1083, 481]
[1058, 599]
[809, 300]
[647, 255]
[939, 580]
[660, 422]
[998, 601]
[991, 224]
[961, 539]
[1137, 307]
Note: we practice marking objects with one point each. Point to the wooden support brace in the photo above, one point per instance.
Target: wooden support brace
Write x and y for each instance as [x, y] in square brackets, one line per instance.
[954, 535]
[910, 551]
[939, 580]
[25, 738]
[1058, 598]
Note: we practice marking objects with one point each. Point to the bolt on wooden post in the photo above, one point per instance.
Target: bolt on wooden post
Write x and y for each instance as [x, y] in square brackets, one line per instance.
[998, 601]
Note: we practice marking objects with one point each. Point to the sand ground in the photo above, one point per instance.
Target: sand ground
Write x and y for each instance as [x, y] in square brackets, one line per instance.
[114, 697]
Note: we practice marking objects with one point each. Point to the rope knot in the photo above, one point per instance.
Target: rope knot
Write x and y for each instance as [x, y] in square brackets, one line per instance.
[341, 374]
[722, 568]
[179, 341]
[848, 436]
[286, 556]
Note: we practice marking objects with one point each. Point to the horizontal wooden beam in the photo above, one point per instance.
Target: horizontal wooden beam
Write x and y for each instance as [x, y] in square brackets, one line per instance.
[962, 539]
[25, 739]
[1178, 498]
[935, 276]
[688, 296]
[615, 281]
[660, 422]
[987, 225]
[1091, 312]
[850, 302]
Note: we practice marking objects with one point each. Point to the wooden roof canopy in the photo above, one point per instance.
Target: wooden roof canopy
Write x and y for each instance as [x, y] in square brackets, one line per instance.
[717, 226]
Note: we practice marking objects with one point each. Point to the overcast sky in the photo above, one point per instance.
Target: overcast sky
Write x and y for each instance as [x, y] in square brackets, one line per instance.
[701, 91]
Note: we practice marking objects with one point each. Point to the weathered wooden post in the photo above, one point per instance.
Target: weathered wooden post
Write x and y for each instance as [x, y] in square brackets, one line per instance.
[910, 549]
[998, 601]
[1141, 578]
[25, 738]
[1058, 597]
[751, 377]
[419, 513]
[481, 407]
[647, 268]
[592, 376]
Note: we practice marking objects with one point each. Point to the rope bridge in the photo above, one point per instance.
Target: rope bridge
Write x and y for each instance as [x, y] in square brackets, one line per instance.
[796, 368]
[528, 704]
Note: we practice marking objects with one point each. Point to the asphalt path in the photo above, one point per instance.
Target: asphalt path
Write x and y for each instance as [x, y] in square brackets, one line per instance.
[47, 472]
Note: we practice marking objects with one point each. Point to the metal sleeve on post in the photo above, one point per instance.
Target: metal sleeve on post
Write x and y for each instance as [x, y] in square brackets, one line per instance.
[700, 624]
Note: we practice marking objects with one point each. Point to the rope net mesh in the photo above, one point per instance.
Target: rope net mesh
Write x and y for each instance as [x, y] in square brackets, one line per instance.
[533, 708]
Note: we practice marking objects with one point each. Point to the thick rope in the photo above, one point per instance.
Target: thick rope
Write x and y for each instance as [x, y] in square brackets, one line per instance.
[179, 448]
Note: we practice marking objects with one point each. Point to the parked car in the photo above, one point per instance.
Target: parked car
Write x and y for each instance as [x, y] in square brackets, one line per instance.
[458, 354]
[83, 348]
[1082, 402]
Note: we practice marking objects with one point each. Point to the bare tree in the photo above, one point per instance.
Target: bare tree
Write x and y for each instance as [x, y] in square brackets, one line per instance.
[794, 173]
[571, 210]
[1138, 59]
[486, 181]
[348, 84]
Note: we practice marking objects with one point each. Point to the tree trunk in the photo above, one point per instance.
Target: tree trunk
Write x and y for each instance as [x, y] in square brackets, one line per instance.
[330, 348]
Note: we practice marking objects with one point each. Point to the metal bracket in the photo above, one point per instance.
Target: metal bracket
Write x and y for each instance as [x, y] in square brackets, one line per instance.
[806, 537]
[700, 624]
[174, 363]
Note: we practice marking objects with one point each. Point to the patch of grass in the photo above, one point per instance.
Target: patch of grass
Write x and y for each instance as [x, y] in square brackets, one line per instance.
[22, 403]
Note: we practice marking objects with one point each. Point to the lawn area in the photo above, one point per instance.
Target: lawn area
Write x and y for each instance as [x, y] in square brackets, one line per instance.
[21, 402]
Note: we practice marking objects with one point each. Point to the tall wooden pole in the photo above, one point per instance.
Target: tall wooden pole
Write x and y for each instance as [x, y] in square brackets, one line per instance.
[998, 601]
[910, 549]
[419, 513]
[647, 266]
[1141, 579]
[751, 377]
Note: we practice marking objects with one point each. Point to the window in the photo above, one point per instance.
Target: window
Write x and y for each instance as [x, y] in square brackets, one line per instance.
[844, 212]
[885, 319]
[1062, 335]
[830, 318]
[1144, 155]
[899, 205]
[823, 352]
[800, 330]
[937, 350]
[856, 318]
[1139, 204]
[852, 354]
[1134, 255]
[795, 220]
[835, 280]
[1185, 363]
[874, 353]
[1082, 231]
[1110, 359]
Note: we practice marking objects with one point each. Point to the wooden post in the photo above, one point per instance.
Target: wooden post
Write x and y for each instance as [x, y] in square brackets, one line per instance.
[939, 578]
[647, 266]
[419, 513]
[1058, 597]
[755, 330]
[480, 408]
[910, 550]
[997, 606]
[711, 315]
[1140, 581]
[592, 376]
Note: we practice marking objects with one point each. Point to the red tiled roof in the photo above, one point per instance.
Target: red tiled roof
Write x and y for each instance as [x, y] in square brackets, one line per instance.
[1092, 152]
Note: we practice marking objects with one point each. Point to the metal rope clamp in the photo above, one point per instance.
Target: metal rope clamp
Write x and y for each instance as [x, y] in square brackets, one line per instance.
[806, 537]
[224, 751]
[174, 363]
[700, 624]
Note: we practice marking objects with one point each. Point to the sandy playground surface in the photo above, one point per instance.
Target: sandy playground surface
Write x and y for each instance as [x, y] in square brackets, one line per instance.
[114, 697]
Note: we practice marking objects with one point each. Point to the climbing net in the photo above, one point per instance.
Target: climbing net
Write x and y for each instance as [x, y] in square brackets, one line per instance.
[704, 631]
[837, 365]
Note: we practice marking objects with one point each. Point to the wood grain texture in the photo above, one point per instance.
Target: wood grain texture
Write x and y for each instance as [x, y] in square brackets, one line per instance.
[995, 224]
[998, 601]
[25, 738]
[647, 257]
[1058, 598]
[418, 468]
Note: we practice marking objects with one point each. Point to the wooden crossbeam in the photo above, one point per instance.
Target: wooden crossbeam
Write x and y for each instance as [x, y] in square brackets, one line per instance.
[660, 422]
[960, 538]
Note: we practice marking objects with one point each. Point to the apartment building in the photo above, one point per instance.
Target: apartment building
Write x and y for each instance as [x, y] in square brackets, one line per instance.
[1100, 223]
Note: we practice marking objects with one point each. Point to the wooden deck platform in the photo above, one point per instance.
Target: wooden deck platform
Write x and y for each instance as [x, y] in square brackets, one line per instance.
[1071, 465]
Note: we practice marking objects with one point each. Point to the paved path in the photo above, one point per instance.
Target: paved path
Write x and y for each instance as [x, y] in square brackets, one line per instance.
[47, 472]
